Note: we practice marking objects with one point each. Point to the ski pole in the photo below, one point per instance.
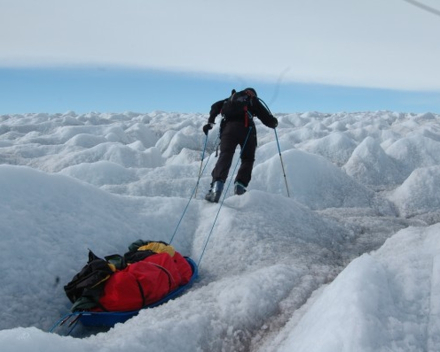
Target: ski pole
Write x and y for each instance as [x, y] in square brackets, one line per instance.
[282, 164]
[201, 165]
[279, 150]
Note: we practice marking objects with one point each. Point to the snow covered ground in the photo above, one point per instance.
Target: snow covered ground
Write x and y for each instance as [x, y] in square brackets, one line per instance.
[350, 262]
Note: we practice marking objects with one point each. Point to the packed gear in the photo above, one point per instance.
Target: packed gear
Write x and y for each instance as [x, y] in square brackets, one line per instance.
[146, 273]
[90, 280]
[113, 289]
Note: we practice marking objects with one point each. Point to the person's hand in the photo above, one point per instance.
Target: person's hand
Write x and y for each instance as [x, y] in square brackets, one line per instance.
[274, 122]
[206, 128]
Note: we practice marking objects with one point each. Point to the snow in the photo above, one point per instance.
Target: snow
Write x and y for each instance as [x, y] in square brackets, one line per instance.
[349, 262]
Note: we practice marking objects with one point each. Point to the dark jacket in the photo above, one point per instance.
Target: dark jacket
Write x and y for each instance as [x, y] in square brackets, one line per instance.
[256, 108]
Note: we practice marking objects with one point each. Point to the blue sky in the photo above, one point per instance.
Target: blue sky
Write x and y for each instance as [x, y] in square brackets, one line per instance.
[173, 55]
[27, 90]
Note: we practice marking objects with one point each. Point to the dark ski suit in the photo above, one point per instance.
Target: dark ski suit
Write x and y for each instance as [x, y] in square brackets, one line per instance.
[239, 131]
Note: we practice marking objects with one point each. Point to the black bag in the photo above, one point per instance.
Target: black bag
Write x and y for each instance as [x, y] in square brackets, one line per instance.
[236, 106]
[134, 255]
[90, 279]
[137, 256]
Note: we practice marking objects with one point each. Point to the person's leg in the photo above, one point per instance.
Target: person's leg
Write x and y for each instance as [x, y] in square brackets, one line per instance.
[224, 161]
[221, 170]
[247, 159]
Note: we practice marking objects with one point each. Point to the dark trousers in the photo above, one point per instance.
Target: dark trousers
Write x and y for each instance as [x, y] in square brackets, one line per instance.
[236, 133]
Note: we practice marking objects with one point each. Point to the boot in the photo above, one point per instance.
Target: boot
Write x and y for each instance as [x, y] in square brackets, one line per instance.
[239, 189]
[215, 192]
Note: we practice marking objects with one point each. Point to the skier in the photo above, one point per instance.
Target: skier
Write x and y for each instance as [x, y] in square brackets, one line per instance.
[237, 128]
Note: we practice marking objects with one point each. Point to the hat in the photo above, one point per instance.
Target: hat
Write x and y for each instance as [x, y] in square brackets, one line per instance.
[251, 90]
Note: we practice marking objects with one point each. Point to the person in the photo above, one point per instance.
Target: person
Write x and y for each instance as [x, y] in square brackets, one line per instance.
[237, 128]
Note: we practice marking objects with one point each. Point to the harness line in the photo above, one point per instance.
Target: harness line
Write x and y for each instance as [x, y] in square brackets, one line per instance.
[223, 199]
[194, 192]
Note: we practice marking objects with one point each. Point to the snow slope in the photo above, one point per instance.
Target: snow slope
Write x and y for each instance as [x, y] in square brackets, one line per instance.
[350, 262]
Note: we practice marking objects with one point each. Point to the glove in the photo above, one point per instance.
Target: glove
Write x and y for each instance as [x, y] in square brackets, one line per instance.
[274, 122]
[207, 127]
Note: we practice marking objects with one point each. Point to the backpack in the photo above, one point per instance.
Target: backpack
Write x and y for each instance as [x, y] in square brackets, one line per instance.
[236, 106]
[90, 280]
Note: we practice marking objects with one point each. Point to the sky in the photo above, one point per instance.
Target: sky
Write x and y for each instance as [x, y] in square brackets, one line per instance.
[348, 260]
[183, 56]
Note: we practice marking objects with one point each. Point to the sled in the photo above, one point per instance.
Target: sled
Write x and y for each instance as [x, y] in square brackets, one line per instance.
[110, 319]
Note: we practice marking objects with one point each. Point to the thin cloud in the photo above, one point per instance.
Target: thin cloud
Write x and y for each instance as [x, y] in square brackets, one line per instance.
[338, 43]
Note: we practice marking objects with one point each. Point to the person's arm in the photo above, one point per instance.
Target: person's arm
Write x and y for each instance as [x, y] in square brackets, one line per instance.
[216, 109]
[259, 110]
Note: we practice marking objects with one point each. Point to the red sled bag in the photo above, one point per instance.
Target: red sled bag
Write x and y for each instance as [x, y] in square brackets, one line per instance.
[183, 268]
[141, 283]
[147, 273]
